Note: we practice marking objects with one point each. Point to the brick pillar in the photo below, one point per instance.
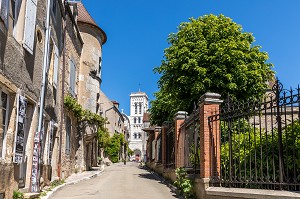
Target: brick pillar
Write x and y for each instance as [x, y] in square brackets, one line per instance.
[178, 120]
[209, 135]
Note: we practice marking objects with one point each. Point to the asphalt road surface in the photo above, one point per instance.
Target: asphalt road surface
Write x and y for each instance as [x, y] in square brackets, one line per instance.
[116, 182]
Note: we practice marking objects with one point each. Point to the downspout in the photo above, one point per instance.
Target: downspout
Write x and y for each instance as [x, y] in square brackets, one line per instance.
[36, 186]
[62, 94]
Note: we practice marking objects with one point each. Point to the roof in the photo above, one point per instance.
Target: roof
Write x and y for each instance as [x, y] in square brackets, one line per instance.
[85, 17]
[115, 102]
[149, 129]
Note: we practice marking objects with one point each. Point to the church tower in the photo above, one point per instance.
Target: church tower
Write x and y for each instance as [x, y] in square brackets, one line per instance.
[137, 139]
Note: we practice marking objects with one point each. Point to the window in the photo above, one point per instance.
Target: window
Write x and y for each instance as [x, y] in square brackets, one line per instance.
[134, 120]
[139, 119]
[140, 105]
[4, 11]
[68, 134]
[135, 136]
[100, 67]
[3, 123]
[30, 22]
[135, 108]
[72, 77]
[54, 7]
[140, 135]
[15, 6]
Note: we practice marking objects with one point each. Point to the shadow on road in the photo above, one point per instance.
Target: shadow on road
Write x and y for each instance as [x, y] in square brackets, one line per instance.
[152, 176]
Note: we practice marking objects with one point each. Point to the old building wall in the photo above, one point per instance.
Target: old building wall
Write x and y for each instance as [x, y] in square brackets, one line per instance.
[115, 119]
[89, 73]
[20, 72]
[74, 158]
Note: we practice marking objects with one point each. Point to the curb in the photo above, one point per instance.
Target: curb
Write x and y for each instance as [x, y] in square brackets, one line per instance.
[49, 193]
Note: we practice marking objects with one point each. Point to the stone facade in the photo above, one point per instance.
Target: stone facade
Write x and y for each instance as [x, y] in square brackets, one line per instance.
[115, 119]
[70, 71]
[20, 74]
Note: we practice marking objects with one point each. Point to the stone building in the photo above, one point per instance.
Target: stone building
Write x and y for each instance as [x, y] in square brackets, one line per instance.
[110, 110]
[90, 78]
[21, 64]
[115, 119]
[69, 71]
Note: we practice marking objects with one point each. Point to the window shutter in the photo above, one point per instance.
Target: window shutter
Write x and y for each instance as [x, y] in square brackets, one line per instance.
[29, 29]
[72, 77]
[55, 66]
[4, 11]
[68, 133]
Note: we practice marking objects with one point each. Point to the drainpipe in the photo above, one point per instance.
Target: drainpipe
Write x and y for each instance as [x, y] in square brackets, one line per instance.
[42, 92]
[45, 64]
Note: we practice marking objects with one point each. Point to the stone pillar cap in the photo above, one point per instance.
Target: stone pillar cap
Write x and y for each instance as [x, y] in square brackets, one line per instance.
[210, 98]
[180, 115]
[157, 128]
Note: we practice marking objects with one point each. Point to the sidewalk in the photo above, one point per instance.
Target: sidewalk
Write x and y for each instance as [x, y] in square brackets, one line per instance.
[75, 178]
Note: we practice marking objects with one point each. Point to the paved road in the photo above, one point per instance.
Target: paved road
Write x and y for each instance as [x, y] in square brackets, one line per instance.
[118, 181]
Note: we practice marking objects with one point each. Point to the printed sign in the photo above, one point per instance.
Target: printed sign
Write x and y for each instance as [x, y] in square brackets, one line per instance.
[35, 164]
[19, 138]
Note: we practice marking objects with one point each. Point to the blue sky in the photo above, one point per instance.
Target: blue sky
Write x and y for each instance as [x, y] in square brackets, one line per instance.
[137, 32]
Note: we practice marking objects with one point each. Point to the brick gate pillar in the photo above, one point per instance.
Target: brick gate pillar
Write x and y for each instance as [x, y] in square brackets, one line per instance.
[178, 120]
[209, 135]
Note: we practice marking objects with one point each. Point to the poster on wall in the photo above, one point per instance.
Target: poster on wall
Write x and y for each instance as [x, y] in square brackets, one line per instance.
[20, 127]
[34, 186]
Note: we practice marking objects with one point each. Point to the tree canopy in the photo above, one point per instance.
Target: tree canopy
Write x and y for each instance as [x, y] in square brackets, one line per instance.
[208, 54]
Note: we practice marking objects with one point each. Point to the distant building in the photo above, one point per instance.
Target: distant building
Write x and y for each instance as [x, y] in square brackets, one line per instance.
[137, 137]
[110, 110]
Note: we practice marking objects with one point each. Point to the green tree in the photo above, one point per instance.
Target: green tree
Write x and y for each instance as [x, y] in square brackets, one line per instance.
[114, 146]
[208, 54]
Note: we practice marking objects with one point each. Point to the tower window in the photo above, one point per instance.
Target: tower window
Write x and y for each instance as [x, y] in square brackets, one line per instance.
[140, 104]
[135, 108]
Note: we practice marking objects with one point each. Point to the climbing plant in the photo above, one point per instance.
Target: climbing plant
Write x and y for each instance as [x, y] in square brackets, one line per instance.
[87, 118]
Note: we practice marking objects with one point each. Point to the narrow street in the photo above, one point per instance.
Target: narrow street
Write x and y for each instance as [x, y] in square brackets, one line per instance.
[119, 181]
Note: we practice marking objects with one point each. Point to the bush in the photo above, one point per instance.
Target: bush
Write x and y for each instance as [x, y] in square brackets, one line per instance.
[18, 195]
[253, 143]
[183, 183]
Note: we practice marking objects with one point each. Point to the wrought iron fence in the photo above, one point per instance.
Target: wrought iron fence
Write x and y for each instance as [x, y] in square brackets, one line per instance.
[170, 148]
[260, 142]
[190, 130]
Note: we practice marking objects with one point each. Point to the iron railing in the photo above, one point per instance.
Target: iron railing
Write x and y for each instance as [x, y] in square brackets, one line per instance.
[190, 131]
[260, 142]
[170, 148]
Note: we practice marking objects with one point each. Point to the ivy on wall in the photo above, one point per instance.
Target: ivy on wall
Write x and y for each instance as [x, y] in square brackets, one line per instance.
[111, 145]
